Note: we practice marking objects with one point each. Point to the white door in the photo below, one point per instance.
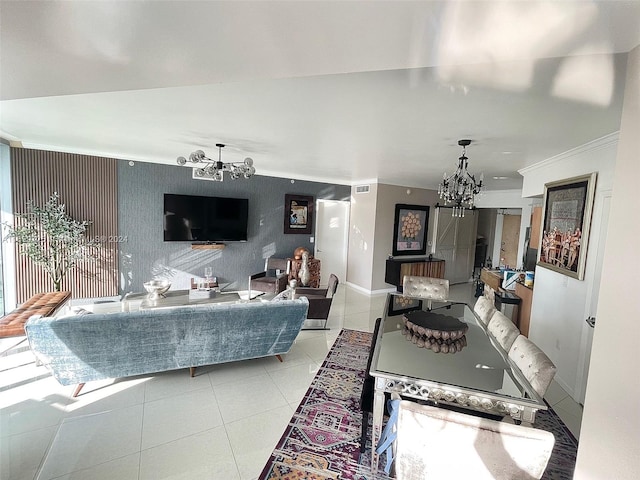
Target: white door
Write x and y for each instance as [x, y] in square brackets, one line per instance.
[455, 243]
[332, 238]
[593, 290]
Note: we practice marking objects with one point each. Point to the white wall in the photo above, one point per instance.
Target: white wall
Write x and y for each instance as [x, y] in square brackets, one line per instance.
[558, 307]
[388, 197]
[610, 432]
[362, 238]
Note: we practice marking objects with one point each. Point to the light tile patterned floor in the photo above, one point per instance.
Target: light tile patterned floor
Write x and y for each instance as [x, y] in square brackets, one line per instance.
[221, 424]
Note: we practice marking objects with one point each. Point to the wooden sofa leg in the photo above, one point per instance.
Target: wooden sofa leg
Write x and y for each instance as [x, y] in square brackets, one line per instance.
[192, 371]
[76, 392]
[279, 357]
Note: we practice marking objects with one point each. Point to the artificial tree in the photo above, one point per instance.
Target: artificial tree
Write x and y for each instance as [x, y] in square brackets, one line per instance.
[51, 238]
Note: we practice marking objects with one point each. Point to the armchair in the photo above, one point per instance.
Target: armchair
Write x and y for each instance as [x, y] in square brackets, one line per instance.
[274, 277]
[319, 301]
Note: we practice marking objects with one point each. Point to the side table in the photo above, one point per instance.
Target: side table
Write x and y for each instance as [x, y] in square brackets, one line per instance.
[314, 270]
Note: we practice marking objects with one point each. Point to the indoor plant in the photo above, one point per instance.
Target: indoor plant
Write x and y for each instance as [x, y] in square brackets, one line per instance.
[51, 239]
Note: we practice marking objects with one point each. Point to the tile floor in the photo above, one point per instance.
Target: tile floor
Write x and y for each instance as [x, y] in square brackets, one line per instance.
[221, 424]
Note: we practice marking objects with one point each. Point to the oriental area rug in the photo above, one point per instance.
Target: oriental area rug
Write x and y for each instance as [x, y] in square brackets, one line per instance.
[322, 440]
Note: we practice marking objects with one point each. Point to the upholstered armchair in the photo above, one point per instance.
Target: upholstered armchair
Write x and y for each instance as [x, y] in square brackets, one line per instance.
[533, 363]
[485, 309]
[319, 300]
[274, 277]
[503, 330]
[436, 443]
[426, 287]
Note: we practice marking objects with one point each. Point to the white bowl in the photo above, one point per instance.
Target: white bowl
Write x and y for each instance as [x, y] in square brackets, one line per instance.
[157, 288]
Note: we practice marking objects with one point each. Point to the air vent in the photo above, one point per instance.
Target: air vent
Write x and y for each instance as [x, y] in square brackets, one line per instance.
[362, 188]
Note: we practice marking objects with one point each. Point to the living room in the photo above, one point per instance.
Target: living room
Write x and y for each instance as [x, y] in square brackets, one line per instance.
[140, 188]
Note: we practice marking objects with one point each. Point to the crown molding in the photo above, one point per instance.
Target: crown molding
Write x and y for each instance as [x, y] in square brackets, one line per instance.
[597, 144]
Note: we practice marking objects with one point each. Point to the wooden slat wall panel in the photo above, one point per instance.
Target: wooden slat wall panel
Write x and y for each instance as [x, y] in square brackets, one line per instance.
[88, 187]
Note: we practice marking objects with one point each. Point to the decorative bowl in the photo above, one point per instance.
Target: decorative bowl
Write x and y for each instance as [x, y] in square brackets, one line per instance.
[157, 288]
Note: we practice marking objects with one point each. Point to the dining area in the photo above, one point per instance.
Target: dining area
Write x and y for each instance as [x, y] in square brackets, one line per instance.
[459, 387]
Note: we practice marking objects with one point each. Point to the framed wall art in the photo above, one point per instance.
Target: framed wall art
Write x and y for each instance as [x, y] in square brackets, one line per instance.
[410, 229]
[566, 212]
[298, 214]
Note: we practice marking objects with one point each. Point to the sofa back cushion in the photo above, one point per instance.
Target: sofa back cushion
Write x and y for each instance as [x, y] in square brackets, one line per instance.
[92, 347]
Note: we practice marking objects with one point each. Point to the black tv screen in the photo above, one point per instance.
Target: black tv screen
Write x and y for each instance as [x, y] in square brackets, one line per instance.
[190, 218]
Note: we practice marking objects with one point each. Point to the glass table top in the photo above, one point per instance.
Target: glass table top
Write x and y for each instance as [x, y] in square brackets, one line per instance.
[480, 364]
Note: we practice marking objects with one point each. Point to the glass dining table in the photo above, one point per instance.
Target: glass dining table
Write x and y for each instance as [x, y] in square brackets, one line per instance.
[442, 353]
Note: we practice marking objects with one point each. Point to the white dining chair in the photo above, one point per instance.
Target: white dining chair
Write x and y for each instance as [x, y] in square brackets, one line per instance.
[534, 364]
[433, 442]
[503, 330]
[425, 287]
[485, 309]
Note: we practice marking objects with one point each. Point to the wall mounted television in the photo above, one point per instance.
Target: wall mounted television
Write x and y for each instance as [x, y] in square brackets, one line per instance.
[191, 218]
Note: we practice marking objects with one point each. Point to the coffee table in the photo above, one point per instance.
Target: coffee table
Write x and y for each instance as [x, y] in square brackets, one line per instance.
[173, 298]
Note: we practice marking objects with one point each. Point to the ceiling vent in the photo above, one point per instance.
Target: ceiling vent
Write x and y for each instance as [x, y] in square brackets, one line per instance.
[362, 188]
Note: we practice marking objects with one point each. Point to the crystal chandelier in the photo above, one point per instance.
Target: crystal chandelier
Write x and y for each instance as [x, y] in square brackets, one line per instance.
[214, 169]
[461, 187]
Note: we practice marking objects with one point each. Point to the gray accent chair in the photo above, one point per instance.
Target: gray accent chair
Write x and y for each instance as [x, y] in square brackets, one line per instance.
[436, 443]
[273, 279]
[320, 300]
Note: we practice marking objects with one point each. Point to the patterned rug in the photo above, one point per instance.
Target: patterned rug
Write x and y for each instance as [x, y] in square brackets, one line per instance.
[322, 440]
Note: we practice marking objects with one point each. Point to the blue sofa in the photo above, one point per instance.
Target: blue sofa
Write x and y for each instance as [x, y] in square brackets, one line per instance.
[82, 348]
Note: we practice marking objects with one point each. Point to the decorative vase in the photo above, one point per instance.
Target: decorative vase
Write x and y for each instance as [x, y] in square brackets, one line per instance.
[305, 274]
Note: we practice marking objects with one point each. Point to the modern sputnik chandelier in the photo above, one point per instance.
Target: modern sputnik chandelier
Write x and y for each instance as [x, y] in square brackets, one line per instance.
[214, 169]
[461, 187]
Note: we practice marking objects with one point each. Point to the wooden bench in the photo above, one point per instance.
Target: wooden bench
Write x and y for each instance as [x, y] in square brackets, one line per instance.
[44, 304]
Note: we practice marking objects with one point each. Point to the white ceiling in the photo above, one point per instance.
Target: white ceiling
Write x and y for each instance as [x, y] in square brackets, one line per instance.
[345, 92]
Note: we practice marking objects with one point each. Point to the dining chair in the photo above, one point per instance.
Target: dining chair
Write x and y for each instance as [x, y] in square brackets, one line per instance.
[366, 396]
[432, 442]
[503, 330]
[534, 364]
[485, 309]
[425, 287]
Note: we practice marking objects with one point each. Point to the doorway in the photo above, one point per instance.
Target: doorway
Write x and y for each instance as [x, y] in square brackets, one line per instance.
[509, 240]
[332, 238]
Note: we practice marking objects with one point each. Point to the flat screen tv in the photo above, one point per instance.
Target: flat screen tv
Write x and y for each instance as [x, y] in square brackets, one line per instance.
[191, 218]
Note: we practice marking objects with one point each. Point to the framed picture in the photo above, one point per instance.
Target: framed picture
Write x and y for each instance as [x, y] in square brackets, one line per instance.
[298, 213]
[565, 225]
[399, 304]
[410, 229]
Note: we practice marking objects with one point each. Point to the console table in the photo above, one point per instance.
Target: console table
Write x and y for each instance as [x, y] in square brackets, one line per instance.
[314, 270]
[397, 268]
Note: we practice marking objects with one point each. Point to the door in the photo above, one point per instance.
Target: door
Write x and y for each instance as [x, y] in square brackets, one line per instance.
[332, 238]
[455, 243]
[593, 290]
[510, 239]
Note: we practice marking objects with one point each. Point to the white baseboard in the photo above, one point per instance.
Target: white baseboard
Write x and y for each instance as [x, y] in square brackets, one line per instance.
[370, 292]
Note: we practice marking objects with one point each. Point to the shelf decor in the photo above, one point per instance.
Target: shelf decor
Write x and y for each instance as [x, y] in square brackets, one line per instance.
[567, 209]
[298, 214]
[410, 229]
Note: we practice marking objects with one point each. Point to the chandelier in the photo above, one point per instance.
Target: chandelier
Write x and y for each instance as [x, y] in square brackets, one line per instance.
[214, 169]
[461, 187]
